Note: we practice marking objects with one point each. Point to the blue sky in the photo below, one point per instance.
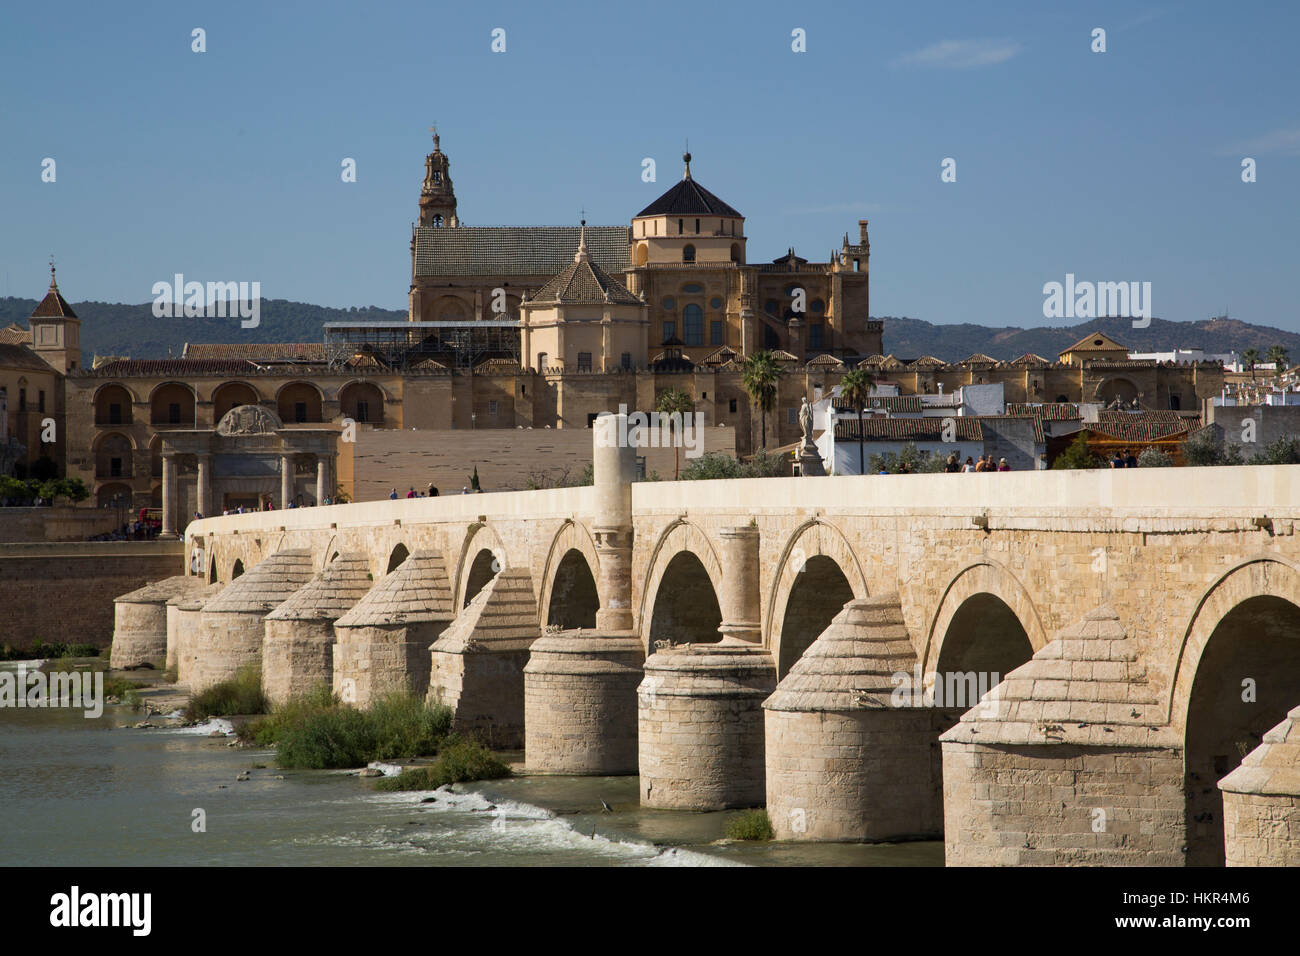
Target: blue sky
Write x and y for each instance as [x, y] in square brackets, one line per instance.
[225, 165]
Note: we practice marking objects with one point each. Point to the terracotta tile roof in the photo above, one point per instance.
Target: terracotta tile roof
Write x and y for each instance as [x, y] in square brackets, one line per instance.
[256, 351]
[907, 429]
[585, 283]
[15, 335]
[53, 306]
[20, 356]
[893, 404]
[128, 368]
[1143, 426]
[720, 356]
[927, 361]
[1095, 342]
[826, 361]
[515, 250]
[497, 366]
[1047, 411]
[979, 358]
[1038, 423]
[781, 355]
[1029, 358]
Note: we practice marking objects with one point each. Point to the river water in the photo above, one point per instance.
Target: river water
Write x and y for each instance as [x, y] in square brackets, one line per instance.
[96, 792]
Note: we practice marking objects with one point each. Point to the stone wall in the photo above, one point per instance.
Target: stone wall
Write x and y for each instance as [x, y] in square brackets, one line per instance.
[55, 524]
[1271, 422]
[383, 459]
[65, 592]
[1058, 805]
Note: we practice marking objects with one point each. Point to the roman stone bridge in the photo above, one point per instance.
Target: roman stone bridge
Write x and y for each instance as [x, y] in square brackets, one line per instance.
[1149, 621]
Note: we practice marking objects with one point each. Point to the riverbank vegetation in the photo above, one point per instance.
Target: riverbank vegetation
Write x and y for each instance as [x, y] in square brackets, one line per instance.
[242, 694]
[38, 650]
[460, 760]
[750, 825]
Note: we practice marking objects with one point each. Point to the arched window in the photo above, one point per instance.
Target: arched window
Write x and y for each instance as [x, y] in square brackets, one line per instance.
[693, 324]
[437, 220]
[688, 254]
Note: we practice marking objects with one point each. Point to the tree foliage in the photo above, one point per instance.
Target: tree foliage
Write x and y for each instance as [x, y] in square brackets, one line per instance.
[1078, 456]
[761, 374]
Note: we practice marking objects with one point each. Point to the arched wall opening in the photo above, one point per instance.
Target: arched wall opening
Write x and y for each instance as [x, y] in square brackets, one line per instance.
[299, 402]
[483, 570]
[231, 395]
[236, 569]
[395, 559]
[113, 406]
[362, 402]
[172, 404]
[686, 609]
[212, 570]
[574, 599]
[1247, 678]
[820, 592]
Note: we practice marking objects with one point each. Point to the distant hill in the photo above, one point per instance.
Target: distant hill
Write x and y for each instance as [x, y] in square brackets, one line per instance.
[911, 338]
[113, 329]
[109, 328]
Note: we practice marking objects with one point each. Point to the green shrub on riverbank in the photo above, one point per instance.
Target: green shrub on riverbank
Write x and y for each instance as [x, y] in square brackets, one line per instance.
[242, 694]
[460, 760]
[266, 731]
[127, 691]
[750, 825]
[314, 734]
[39, 650]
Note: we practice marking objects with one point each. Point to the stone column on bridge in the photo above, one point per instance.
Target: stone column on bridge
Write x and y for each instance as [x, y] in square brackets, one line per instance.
[322, 479]
[169, 497]
[580, 699]
[700, 719]
[286, 480]
[140, 622]
[204, 490]
[1261, 801]
[1067, 762]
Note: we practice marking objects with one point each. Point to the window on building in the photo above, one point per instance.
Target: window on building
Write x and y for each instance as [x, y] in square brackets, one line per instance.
[688, 253]
[626, 361]
[772, 307]
[1175, 403]
[697, 227]
[692, 288]
[299, 411]
[715, 303]
[174, 413]
[437, 176]
[669, 330]
[680, 228]
[815, 335]
[693, 324]
[541, 361]
[22, 399]
[669, 303]
[591, 419]
[492, 409]
[715, 332]
[40, 400]
[115, 467]
[437, 220]
[115, 414]
[791, 416]
[731, 406]
[363, 410]
[584, 361]
[770, 339]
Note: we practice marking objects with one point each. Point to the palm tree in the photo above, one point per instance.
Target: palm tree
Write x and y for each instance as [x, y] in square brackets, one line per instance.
[761, 374]
[673, 401]
[1248, 358]
[1277, 355]
[855, 388]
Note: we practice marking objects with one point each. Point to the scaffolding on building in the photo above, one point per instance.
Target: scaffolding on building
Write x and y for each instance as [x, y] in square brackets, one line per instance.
[400, 345]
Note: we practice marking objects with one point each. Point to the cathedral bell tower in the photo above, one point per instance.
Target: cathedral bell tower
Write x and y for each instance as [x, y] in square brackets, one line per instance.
[437, 198]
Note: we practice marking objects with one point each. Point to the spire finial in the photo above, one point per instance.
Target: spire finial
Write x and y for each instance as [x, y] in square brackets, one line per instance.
[53, 285]
[686, 158]
[581, 254]
[434, 130]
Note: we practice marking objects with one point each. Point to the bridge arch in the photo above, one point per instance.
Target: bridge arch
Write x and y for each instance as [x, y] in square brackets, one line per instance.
[989, 587]
[698, 578]
[1236, 676]
[816, 575]
[569, 578]
[482, 556]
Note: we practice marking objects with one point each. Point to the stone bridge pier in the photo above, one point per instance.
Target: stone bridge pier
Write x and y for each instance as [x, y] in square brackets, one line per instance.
[580, 685]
